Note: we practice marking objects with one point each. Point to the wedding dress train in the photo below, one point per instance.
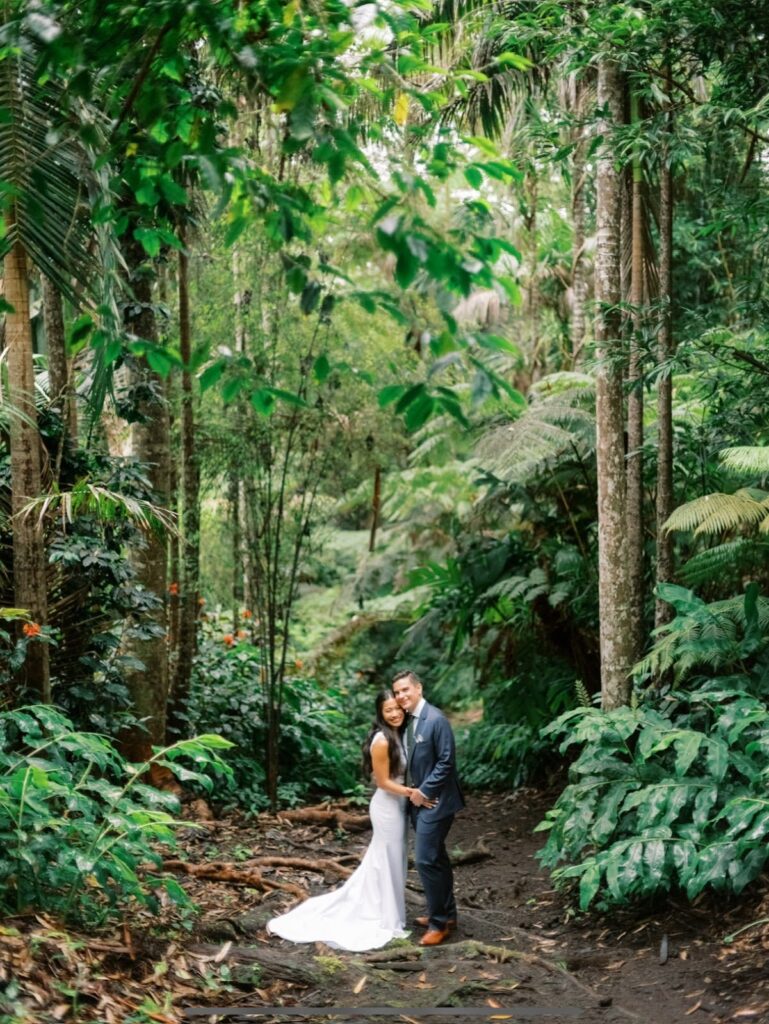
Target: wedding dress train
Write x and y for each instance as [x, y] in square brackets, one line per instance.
[370, 908]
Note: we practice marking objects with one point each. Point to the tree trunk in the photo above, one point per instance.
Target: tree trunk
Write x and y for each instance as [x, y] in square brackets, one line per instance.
[615, 613]
[635, 409]
[237, 549]
[665, 496]
[532, 290]
[150, 445]
[29, 555]
[579, 220]
[190, 561]
[60, 390]
[376, 504]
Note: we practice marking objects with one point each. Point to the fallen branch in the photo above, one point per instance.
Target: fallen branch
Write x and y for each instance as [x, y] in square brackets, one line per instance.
[228, 873]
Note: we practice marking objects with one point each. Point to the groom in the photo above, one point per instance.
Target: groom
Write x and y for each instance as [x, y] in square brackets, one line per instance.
[431, 770]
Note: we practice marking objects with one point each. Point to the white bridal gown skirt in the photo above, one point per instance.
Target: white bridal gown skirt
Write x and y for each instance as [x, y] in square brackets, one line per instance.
[370, 908]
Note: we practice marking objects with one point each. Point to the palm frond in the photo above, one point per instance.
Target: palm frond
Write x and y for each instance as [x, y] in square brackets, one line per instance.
[93, 499]
[719, 513]
[44, 176]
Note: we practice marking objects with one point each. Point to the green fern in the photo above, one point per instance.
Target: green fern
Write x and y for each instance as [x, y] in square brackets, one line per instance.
[730, 560]
[583, 697]
[751, 460]
[720, 513]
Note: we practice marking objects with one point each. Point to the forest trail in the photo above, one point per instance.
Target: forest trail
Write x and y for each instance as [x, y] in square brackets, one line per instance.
[517, 947]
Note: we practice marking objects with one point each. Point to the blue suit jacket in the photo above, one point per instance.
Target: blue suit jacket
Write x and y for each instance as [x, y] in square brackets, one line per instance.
[432, 764]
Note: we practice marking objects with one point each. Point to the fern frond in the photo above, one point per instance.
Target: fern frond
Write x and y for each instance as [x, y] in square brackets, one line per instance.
[730, 559]
[583, 697]
[752, 460]
[718, 513]
[564, 383]
[513, 451]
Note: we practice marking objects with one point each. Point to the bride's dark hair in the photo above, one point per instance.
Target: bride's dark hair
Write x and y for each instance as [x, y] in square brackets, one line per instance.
[393, 737]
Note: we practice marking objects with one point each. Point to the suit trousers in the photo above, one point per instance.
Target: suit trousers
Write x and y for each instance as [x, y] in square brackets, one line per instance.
[434, 867]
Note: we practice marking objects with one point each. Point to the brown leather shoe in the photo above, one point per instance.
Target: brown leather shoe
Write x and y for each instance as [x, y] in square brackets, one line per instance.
[434, 937]
[424, 922]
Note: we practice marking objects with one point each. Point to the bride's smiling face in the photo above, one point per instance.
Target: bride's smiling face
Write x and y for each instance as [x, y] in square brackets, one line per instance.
[392, 713]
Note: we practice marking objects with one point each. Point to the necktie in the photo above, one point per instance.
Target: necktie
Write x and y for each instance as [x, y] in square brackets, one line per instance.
[409, 745]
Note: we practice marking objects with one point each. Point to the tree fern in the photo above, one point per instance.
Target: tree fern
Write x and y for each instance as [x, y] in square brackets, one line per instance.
[730, 559]
[558, 422]
[719, 513]
[751, 460]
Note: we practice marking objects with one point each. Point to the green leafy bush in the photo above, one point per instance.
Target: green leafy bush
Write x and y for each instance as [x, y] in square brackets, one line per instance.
[319, 740]
[662, 801]
[78, 826]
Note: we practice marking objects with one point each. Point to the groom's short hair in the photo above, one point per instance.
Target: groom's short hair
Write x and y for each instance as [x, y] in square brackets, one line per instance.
[407, 673]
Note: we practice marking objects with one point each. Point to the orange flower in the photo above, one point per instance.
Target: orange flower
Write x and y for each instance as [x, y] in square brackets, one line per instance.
[173, 588]
[247, 614]
[229, 639]
[298, 664]
[242, 634]
[31, 629]
[201, 600]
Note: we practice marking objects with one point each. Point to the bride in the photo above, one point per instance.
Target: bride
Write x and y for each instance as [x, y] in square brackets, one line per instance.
[370, 908]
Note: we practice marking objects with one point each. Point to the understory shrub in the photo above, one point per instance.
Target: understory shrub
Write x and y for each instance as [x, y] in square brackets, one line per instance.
[663, 800]
[79, 829]
[321, 732]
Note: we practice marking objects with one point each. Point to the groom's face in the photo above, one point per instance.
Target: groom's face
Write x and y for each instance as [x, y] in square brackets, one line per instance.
[407, 692]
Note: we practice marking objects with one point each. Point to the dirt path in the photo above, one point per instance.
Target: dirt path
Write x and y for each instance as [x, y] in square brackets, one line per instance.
[519, 945]
[519, 952]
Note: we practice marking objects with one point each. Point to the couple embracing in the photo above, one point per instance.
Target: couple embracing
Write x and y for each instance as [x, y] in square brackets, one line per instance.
[410, 755]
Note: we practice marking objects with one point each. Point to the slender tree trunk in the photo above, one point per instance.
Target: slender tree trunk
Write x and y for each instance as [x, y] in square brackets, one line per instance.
[58, 364]
[29, 555]
[579, 281]
[237, 547]
[190, 562]
[376, 505]
[59, 368]
[615, 612]
[635, 408]
[532, 289]
[150, 444]
[665, 495]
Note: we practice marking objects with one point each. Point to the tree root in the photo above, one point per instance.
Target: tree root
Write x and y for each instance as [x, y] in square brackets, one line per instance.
[219, 872]
[478, 852]
[321, 864]
[332, 817]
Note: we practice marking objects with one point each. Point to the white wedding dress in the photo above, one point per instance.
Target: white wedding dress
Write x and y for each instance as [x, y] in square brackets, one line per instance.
[370, 908]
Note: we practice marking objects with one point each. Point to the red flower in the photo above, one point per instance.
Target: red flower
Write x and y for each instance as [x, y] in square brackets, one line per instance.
[247, 614]
[31, 629]
[298, 664]
[229, 639]
[173, 588]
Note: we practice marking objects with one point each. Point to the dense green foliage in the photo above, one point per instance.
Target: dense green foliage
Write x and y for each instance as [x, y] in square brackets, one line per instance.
[670, 795]
[80, 829]
[327, 402]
